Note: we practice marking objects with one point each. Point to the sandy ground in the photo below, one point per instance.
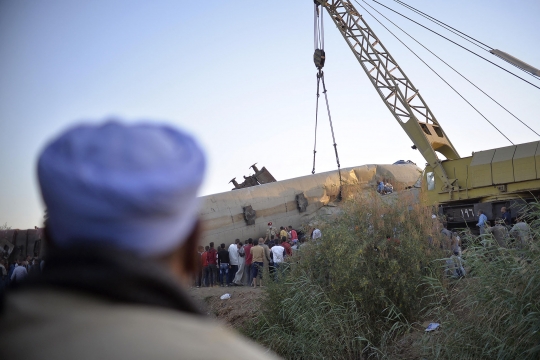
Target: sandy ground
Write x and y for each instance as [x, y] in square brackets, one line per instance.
[243, 304]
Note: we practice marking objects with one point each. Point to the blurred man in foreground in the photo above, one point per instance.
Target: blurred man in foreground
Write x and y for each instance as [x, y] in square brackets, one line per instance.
[122, 235]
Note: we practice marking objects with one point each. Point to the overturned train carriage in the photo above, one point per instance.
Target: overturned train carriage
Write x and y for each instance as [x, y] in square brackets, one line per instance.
[245, 213]
[22, 243]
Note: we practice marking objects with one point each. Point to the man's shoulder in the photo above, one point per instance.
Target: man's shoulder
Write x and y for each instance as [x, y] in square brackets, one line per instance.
[112, 330]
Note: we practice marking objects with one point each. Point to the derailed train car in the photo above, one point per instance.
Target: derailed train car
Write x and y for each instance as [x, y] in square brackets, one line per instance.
[245, 213]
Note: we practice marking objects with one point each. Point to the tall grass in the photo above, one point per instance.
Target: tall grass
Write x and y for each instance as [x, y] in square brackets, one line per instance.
[495, 312]
[351, 294]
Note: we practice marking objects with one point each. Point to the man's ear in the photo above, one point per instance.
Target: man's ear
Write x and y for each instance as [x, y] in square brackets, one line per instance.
[183, 261]
[189, 250]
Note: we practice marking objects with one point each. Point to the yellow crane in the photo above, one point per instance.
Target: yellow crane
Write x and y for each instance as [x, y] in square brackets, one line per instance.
[460, 186]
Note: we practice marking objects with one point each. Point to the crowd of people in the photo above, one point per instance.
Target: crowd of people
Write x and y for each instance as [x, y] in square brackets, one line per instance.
[243, 263]
[14, 272]
[385, 188]
[505, 232]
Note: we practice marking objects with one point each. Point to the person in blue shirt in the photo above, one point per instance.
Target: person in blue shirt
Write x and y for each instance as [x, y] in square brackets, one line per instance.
[482, 222]
[380, 187]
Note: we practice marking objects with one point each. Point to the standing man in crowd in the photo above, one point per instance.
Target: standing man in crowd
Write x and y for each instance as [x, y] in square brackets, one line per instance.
[482, 222]
[122, 233]
[204, 261]
[506, 216]
[293, 235]
[521, 232]
[257, 254]
[3, 275]
[199, 276]
[278, 252]
[270, 231]
[266, 249]
[223, 262]
[286, 246]
[19, 273]
[241, 265]
[233, 257]
[211, 258]
[249, 260]
[500, 233]
[283, 232]
[446, 240]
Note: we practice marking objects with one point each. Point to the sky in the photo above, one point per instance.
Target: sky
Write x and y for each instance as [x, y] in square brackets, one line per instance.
[239, 75]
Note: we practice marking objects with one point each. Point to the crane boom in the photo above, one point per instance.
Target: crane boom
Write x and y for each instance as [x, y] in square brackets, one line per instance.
[396, 90]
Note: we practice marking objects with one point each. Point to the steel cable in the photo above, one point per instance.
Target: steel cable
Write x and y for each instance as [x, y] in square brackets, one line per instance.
[319, 45]
[455, 43]
[457, 72]
[446, 26]
[316, 121]
[332, 130]
[446, 82]
[457, 32]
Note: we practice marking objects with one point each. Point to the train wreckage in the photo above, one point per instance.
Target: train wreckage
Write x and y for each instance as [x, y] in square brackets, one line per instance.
[245, 212]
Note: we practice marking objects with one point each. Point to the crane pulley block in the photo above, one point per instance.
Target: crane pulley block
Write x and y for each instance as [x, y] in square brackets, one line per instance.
[318, 58]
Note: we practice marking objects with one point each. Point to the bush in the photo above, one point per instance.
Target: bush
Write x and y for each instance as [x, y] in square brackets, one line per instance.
[494, 313]
[352, 293]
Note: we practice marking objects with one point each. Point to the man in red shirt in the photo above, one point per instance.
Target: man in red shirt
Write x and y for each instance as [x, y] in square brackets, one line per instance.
[287, 246]
[249, 260]
[293, 235]
[211, 258]
[205, 265]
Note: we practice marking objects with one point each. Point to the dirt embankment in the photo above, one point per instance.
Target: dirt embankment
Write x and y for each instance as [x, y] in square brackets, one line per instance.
[241, 306]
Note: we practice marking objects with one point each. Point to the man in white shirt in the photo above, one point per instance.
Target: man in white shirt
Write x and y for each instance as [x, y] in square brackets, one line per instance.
[19, 273]
[241, 260]
[3, 273]
[277, 255]
[316, 234]
[233, 261]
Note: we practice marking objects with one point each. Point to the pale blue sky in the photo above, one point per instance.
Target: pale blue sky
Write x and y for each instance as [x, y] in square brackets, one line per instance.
[239, 75]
